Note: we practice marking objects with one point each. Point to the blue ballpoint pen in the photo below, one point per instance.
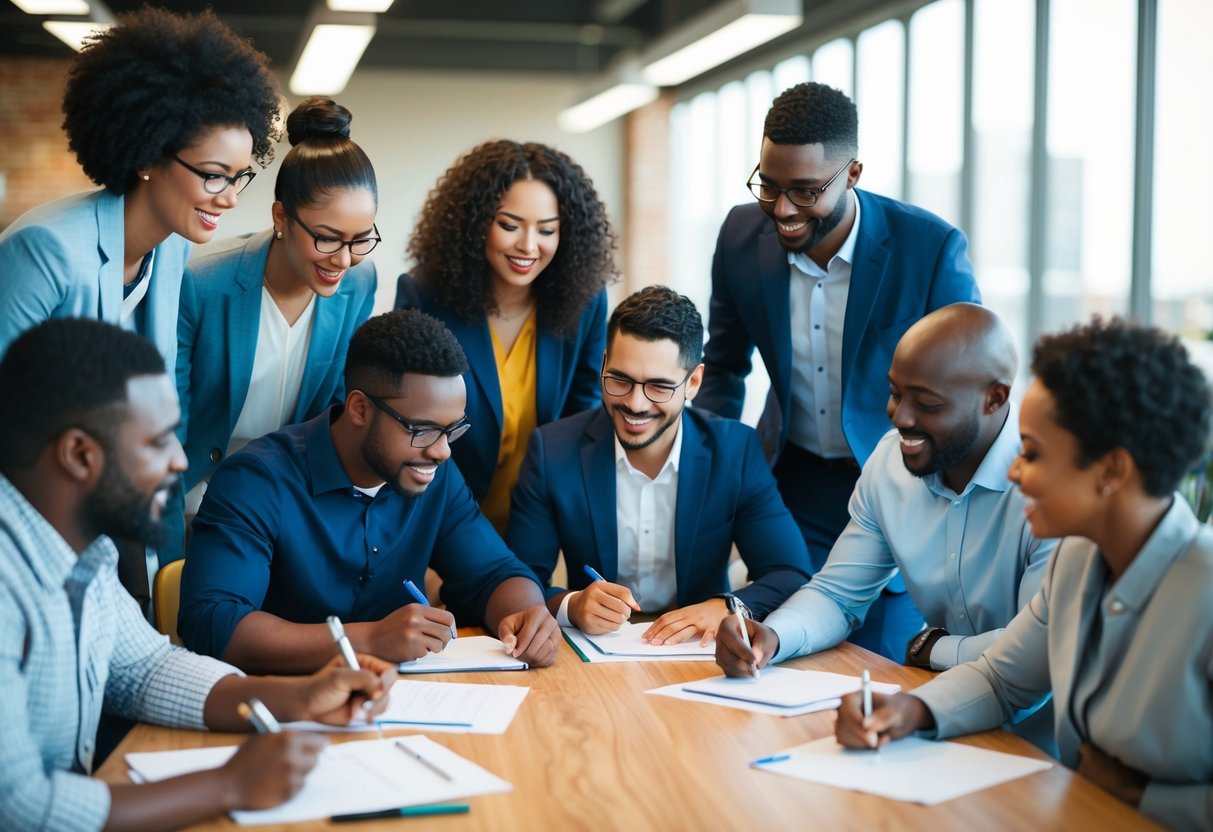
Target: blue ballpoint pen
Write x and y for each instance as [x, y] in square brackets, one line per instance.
[420, 598]
[593, 573]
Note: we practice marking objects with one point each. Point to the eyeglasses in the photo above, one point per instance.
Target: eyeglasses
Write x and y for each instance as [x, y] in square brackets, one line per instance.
[654, 391]
[328, 244]
[800, 197]
[424, 435]
[217, 183]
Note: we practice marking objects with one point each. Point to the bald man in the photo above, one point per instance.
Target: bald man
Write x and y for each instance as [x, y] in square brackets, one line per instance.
[933, 501]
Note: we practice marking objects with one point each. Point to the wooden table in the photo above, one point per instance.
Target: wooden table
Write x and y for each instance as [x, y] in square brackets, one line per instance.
[589, 750]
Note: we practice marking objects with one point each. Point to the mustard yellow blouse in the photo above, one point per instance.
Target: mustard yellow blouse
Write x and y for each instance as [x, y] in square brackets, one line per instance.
[517, 376]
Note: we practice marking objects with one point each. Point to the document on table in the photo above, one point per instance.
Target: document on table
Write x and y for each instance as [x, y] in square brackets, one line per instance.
[624, 645]
[361, 776]
[780, 691]
[447, 707]
[466, 654]
[913, 770]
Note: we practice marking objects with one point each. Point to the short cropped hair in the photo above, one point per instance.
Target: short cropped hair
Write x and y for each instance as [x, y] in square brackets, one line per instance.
[658, 313]
[812, 113]
[1122, 385]
[67, 373]
[323, 158]
[156, 82]
[388, 346]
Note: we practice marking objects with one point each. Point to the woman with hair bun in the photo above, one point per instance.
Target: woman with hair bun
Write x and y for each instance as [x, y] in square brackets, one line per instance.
[1121, 632]
[513, 251]
[168, 114]
[266, 319]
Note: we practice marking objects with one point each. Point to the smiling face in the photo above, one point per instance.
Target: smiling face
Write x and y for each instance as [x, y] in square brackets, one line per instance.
[1062, 498]
[387, 450]
[523, 235]
[343, 215]
[640, 423]
[176, 195]
[808, 166]
[143, 466]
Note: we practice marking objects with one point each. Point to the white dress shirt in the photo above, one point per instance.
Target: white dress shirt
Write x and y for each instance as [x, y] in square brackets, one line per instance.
[818, 311]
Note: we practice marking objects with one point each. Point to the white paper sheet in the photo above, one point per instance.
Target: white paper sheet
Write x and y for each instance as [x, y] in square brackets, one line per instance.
[363, 776]
[468, 653]
[913, 770]
[625, 646]
[442, 707]
[775, 684]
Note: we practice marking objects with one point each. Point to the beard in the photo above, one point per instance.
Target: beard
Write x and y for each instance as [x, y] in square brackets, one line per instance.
[117, 509]
[633, 445]
[822, 226]
[949, 453]
[377, 457]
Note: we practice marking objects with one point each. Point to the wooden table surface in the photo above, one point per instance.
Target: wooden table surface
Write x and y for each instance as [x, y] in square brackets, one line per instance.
[589, 750]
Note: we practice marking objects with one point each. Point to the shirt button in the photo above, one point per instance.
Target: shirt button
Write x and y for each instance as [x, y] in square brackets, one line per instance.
[822, 411]
[1117, 606]
[819, 369]
[961, 616]
[956, 504]
[376, 549]
[87, 746]
[818, 285]
[952, 556]
[816, 326]
[216, 454]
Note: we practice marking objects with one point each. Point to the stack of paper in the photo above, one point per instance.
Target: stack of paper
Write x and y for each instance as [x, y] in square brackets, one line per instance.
[624, 645]
[349, 777]
[470, 653]
[779, 690]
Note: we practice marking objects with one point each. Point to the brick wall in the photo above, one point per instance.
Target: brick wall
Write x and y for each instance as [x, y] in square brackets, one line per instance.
[35, 161]
[646, 196]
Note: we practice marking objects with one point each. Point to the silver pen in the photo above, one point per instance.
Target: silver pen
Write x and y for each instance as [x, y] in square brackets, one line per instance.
[343, 643]
[255, 712]
[428, 764]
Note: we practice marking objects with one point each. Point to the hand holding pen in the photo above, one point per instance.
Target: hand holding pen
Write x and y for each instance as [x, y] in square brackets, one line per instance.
[602, 607]
[743, 647]
[890, 717]
[409, 632]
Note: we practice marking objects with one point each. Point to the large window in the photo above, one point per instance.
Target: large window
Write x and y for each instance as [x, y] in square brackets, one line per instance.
[880, 100]
[936, 112]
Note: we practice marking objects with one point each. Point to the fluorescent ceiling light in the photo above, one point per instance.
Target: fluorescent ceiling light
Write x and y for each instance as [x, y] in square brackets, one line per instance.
[742, 27]
[607, 105]
[52, 6]
[329, 58]
[359, 5]
[73, 32]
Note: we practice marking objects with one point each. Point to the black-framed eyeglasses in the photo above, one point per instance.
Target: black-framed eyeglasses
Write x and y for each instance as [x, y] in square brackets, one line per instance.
[328, 244]
[655, 391]
[422, 435]
[217, 183]
[798, 196]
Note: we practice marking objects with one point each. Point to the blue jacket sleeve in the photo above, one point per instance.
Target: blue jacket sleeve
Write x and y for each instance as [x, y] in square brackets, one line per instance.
[36, 261]
[727, 354]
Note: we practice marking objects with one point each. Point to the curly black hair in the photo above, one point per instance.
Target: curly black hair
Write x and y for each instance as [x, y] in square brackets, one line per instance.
[812, 113]
[658, 313]
[323, 158]
[154, 83]
[1122, 385]
[64, 373]
[447, 246]
[402, 341]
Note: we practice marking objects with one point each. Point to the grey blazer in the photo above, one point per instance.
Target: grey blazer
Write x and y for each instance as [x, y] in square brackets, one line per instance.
[1130, 665]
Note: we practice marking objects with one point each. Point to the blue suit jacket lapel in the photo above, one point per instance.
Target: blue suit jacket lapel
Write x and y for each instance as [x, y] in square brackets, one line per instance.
[774, 276]
[482, 364]
[549, 370]
[598, 477]
[867, 274]
[693, 469]
[243, 324]
[111, 242]
[326, 328]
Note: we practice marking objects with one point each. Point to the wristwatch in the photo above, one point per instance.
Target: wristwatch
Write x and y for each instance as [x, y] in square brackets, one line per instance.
[732, 602]
[918, 651]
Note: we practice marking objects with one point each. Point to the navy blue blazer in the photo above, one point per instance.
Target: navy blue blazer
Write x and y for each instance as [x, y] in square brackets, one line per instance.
[908, 262]
[565, 500]
[567, 369]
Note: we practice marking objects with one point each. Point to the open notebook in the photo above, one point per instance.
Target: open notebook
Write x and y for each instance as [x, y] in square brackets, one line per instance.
[467, 654]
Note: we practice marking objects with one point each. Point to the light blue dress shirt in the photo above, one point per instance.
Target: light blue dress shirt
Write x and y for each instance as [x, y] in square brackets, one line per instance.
[72, 641]
[969, 560]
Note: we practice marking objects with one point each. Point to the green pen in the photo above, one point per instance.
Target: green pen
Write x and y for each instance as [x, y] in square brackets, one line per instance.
[407, 812]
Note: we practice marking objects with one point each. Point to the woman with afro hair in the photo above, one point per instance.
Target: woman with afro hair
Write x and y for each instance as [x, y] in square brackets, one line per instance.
[266, 319]
[168, 114]
[513, 251]
[1121, 632]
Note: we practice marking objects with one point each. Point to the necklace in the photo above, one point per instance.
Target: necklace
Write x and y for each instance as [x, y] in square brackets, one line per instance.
[505, 319]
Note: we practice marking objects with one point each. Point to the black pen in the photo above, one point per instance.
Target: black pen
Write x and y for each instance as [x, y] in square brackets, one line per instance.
[407, 812]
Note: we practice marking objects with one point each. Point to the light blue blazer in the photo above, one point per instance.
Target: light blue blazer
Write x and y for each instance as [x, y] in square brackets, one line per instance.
[217, 337]
[64, 260]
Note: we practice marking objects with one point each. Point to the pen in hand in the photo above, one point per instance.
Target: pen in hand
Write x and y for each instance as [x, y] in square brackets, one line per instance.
[420, 598]
[343, 643]
[865, 693]
[731, 602]
[593, 573]
[256, 713]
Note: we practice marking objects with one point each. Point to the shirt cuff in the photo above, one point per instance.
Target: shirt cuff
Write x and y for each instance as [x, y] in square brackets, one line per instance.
[562, 615]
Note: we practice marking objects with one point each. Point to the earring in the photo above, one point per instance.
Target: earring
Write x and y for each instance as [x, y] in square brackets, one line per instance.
[1106, 490]
[146, 177]
[277, 235]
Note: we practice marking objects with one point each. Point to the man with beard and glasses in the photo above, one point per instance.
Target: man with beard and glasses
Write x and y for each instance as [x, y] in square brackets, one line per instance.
[652, 494]
[823, 278]
[933, 501]
[333, 516]
[88, 451]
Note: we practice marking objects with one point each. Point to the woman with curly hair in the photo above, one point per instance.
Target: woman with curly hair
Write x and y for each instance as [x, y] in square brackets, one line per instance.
[1121, 632]
[266, 319]
[513, 251]
[167, 113]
